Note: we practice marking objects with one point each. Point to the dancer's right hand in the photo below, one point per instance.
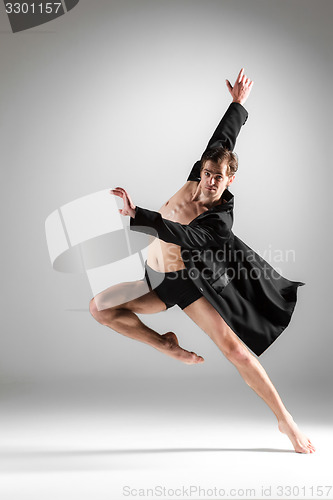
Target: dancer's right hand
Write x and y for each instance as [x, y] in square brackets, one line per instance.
[129, 207]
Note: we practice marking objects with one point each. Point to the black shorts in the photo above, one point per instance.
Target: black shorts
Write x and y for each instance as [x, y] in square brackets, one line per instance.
[176, 288]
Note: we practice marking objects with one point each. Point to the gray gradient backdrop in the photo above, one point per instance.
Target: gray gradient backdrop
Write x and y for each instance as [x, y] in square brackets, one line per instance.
[128, 93]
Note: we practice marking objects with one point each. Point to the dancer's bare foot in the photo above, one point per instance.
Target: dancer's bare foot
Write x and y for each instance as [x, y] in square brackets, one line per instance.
[300, 441]
[171, 347]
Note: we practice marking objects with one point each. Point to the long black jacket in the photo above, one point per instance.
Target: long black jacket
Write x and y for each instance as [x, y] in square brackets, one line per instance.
[250, 295]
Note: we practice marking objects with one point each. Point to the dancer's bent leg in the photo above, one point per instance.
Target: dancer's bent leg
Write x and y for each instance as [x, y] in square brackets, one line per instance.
[108, 310]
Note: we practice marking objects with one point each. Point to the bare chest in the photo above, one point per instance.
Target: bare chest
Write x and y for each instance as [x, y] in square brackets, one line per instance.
[180, 208]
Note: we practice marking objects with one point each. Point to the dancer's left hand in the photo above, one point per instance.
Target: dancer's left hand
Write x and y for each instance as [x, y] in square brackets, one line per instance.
[129, 207]
[241, 89]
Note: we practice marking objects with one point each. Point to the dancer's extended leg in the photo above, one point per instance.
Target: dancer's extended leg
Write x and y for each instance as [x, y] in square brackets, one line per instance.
[208, 319]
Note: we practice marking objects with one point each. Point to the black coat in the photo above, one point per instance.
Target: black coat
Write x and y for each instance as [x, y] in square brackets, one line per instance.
[253, 299]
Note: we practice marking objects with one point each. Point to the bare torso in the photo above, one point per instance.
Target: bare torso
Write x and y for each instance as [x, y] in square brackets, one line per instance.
[181, 207]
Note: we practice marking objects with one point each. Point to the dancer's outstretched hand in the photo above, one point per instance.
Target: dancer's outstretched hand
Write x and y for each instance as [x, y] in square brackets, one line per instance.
[129, 207]
[241, 89]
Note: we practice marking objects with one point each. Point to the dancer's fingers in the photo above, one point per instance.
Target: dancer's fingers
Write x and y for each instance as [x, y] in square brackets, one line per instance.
[119, 191]
[124, 193]
[230, 87]
[240, 75]
[116, 192]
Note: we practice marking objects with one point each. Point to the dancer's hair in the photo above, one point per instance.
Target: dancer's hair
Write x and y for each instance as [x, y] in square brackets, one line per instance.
[218, 155]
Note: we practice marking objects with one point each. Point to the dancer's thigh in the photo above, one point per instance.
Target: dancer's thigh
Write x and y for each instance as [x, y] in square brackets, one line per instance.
[210, 321]
[132, 295]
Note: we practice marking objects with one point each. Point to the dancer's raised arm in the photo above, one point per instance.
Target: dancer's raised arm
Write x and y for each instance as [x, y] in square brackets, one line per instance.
[226, 132]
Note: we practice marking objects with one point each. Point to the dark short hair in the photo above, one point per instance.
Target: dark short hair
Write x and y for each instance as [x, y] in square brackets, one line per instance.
[218, 155]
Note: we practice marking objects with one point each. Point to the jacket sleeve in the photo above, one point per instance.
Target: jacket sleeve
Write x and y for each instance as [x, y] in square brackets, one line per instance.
[210, 231]
[225, 134]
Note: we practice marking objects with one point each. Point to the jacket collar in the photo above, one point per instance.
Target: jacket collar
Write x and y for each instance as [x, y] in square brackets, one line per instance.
[227, 202]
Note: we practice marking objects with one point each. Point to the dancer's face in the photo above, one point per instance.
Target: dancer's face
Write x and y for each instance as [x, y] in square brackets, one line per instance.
[214, 179]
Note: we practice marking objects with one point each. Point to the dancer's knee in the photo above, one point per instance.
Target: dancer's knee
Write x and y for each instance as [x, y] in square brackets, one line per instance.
[103, 316]
[230, 345]
[237, 353]
[93, 309]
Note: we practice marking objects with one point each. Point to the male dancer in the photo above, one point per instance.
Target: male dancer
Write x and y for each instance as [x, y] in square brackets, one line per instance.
[199, 216]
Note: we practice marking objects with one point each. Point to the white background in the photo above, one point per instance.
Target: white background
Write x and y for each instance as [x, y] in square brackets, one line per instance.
[128, 93]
